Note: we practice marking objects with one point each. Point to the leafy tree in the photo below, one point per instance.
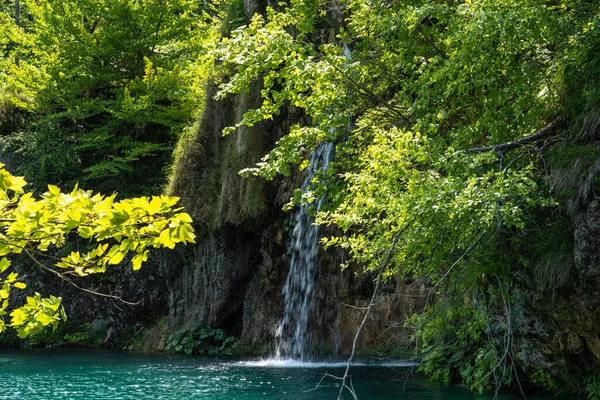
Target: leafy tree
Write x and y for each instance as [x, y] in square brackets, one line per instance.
[34, 227]
[441, 111]
[109, 86]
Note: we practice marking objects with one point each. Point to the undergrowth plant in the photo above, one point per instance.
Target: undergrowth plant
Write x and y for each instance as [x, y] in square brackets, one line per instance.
[201, 339]
[591, 385]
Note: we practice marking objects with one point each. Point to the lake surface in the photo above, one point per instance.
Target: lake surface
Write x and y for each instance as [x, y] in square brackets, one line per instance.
[85, 374]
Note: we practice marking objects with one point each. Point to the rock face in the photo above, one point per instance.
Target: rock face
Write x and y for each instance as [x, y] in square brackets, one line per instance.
[559, 330]
[106, 321]
[239, 224]
[233, 277]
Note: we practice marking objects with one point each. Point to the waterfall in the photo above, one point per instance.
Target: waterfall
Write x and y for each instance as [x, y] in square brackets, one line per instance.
[296, 340]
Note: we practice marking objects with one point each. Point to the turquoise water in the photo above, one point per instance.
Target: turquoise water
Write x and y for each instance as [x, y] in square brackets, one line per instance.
[104, 375]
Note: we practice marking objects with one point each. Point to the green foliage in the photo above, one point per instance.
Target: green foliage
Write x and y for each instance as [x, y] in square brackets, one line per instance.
[118, 228]
[202, 339]
[109, 86]
[66, 332]
[544, 379]
[76, 337]
[581, 72]
[592, 385]
[36, 314]
[235, 17]
[423, 82]
[408, 91]
[292, 72]
[455, 338]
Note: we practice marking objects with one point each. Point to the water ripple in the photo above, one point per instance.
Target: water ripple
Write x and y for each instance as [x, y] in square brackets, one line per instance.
[85, 375]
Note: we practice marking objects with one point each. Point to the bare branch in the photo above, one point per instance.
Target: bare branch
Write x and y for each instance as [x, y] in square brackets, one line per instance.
[458, 260]
[385, 263]
[504, 147]
[70, 281]
[355, 307]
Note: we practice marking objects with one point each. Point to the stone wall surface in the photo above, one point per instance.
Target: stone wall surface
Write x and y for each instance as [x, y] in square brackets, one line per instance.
[558, 329]
[233, 276]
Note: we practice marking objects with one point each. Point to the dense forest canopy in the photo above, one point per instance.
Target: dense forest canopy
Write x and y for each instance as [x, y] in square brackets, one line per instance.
[104, 88]
[97, 92]
[446, 115]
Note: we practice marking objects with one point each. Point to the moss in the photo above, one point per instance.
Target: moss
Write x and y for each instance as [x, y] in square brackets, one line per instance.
[184, 144]
[549, 252]
[564, 156]
[193, 151]
[574, 175]
[152, 338]
[206, 164]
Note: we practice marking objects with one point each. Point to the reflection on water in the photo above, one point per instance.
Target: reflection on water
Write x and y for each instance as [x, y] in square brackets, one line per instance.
[104, 375]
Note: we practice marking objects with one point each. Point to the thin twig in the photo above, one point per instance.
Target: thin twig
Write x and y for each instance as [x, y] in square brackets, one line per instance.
[432, 289]
[318, 385]
[458, 260]
[385, 263]
[368, 92]
[351, 306]
[70, 282]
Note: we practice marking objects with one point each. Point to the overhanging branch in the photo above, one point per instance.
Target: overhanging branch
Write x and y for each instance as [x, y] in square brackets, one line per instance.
[504, 147]
[70, 281]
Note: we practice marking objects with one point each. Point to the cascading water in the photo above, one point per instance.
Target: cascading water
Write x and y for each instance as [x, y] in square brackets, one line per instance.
[294, 335]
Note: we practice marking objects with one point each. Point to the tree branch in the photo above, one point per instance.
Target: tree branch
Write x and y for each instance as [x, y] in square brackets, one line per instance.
[504, 147]
[70, 281]
[458, 260]
[369, 93]
[385, 263]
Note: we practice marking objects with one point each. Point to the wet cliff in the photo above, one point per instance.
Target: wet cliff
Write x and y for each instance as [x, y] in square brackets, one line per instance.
[234, 276]
[555, 311]
[556, 328]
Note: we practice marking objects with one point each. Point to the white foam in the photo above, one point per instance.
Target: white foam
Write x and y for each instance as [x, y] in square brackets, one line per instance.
[290, 363]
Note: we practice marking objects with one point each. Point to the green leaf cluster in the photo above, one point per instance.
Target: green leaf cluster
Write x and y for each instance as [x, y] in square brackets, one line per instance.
[118, 228]
[544, 379]
[202, 339]
[454, 336]
[293, 70]
[37, 314]
[108, 87]
[592, 385]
